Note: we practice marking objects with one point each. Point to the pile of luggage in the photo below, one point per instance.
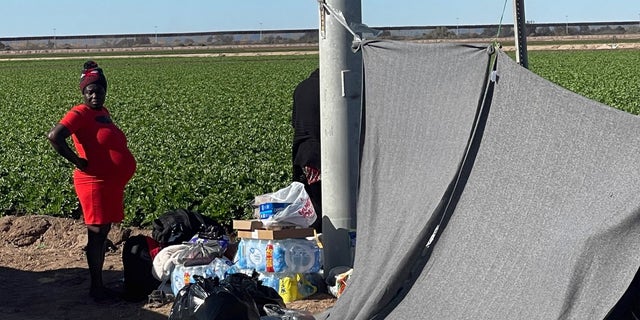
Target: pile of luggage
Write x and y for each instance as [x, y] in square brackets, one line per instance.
[188, 261]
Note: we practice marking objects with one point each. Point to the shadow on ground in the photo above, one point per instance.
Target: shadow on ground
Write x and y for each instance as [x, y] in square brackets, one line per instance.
[62, 294]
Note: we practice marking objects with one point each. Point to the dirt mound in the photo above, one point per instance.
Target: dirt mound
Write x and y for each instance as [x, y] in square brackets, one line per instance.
[45, 275]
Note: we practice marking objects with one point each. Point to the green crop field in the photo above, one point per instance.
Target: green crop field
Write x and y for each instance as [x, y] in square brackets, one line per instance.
[208, 133]
[608, 76]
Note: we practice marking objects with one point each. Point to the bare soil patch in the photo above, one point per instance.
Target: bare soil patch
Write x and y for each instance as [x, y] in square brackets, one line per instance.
[44, 275]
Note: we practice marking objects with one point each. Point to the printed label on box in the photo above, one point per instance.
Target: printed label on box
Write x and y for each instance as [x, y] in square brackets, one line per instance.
[271, 208]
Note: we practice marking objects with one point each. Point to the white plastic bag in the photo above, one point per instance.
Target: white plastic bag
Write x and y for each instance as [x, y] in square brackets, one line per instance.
[299, 213]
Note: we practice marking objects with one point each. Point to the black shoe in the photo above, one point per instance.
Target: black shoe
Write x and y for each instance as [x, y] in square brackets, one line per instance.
[104, 295]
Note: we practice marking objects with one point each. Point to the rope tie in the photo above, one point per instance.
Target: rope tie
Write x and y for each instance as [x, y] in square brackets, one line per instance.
[353, 27]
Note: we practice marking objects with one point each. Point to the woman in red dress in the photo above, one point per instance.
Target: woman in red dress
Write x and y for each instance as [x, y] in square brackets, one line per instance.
[104, 165]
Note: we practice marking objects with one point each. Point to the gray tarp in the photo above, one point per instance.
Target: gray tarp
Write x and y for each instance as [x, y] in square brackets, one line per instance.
[536, 190]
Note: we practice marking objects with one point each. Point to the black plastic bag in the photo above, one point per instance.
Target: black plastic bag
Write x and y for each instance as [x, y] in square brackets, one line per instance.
[200, 253]
[211, 299]
[177, 226]
[246, 286]
[189, 299]
[275, 312]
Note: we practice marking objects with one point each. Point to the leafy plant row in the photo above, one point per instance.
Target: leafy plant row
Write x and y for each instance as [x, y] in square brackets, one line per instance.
[208, 133]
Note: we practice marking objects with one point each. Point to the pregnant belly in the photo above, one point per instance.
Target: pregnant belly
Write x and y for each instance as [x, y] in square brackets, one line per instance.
[123, 164]
[116, 166]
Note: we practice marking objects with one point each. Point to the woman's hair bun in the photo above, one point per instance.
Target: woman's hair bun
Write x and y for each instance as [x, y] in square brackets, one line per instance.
[90, 65]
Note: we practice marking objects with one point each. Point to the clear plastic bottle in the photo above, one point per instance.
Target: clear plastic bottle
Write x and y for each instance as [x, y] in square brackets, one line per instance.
[302, 256]
[177, 279]
[272, 281]
[249, 248]
[279, 263]
[241, 258]
[257, 255]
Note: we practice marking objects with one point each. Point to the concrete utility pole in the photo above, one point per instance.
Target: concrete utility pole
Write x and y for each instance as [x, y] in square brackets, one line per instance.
[340, 111]
[520, 33]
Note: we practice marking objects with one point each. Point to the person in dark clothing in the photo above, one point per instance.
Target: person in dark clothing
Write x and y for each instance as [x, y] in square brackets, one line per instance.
[305, 120]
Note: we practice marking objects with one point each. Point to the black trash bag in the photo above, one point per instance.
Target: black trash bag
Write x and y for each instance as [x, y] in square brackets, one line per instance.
[275, 312]
[210, 299]
[177, 226]
[200, 253]
[212, 232]
[189, 299]
[224, 305]
[246, 286]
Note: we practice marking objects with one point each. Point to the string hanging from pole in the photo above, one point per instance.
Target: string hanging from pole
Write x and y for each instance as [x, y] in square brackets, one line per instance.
[500, 23]
[352, 27]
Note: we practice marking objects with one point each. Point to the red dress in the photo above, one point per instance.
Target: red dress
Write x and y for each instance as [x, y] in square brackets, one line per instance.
[100, 187]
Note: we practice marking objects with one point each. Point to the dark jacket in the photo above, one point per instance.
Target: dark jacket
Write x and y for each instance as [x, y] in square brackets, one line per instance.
[305, 120]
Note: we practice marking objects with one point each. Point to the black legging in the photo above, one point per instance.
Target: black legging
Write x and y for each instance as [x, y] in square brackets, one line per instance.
[315, 194]
[96, 248]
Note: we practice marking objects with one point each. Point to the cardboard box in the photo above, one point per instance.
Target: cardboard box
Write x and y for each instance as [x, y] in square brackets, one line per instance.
[247, 224]
[270, 208]
[285, 233]
[248, 234]
[276, 234]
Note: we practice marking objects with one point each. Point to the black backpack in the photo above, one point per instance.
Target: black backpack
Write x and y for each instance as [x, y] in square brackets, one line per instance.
[178, 226]
[137, 266]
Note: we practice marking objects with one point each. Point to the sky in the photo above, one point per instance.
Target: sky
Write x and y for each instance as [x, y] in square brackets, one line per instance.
[23, 18]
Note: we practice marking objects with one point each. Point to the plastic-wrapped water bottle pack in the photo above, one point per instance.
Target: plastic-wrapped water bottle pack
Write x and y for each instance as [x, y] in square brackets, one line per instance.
[219, 267]
[279, 256]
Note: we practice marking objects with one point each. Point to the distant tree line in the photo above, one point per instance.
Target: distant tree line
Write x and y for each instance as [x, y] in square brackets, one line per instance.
[310, 36]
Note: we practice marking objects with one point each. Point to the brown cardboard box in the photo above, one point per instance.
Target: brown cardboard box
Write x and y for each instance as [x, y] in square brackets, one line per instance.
[276, 234]
[247, 224]
[285, 233]
[248, 234]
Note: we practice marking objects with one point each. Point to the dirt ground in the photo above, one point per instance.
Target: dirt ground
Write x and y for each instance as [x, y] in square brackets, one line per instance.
[44, 275]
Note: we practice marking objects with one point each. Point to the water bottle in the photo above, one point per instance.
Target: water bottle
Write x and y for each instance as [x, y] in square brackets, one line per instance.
[216, 268]
[302, 256]
[249, 245]
[268, 253]
[177, 279]
[271, 281]
[256, 255]
[241, 258]
[279, 263]
[317, 257]
[232, 269]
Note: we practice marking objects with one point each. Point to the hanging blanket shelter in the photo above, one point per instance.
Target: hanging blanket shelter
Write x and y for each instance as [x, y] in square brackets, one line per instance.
[533, 191]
